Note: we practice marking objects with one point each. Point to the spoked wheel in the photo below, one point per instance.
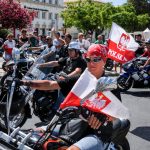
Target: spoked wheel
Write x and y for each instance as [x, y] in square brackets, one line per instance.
[124, 83]
[15, 120]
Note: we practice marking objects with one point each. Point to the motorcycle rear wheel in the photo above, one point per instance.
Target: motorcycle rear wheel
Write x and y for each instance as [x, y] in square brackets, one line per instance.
[122, 85]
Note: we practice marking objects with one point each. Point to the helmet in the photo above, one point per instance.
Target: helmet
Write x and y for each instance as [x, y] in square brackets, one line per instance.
[74, 45]
[98, 50]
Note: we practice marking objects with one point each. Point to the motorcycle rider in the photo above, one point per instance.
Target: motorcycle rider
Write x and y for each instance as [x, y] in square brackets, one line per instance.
[63, 52]
[86, 134]
[72, 65]
[48, 47]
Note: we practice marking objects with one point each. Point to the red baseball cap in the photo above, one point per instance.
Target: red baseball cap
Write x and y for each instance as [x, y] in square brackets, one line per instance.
[98, 50]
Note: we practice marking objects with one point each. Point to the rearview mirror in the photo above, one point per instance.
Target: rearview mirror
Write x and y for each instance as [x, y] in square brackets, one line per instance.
[106, 84]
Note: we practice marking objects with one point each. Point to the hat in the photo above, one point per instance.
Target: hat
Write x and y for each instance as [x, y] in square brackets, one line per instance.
[97, 50]
[74, 45]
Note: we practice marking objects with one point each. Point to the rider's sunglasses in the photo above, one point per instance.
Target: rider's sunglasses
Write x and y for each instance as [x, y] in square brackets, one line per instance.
[96, 59]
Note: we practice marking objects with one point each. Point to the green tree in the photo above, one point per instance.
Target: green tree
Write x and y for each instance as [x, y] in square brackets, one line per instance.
[141, 6]
[87, 15]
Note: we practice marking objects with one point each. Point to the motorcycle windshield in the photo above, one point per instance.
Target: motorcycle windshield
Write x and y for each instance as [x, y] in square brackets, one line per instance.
[36, 73]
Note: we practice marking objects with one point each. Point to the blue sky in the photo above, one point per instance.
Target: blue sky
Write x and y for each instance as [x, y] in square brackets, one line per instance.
[116, 2]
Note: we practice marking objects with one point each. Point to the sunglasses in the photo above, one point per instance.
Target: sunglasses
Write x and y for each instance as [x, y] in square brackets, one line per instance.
[96, 59]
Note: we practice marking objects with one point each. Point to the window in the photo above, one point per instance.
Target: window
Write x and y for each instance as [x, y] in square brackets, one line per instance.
[43, 15]
[37, 14]
[56, 2]
[56, 16]
[50, 16]
[50, 1]
[43, 1]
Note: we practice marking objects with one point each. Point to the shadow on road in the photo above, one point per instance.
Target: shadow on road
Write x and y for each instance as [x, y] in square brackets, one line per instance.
[142, 132]
[139, 93]
[39, 124]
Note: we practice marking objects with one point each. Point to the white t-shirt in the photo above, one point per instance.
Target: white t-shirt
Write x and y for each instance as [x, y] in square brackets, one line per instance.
[84, 44]
[10, 44]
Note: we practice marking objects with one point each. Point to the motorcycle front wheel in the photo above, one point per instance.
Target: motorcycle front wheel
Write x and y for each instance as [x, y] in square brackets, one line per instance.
[17, 120]
[124, 84]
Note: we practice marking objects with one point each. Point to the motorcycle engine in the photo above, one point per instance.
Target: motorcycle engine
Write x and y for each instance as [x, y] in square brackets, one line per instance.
[42, 104]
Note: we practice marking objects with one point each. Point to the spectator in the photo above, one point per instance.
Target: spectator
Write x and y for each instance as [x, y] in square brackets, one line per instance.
[33, 39]
[99, 40]
[23, 38]
[140, 49]
[58, 42]
[84, 44]
[8, 45]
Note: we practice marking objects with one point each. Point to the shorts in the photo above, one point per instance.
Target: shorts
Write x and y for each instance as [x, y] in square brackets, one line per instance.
[90, 142]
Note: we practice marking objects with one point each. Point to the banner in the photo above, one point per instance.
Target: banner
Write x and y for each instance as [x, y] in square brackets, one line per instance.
[102, 102]
[122, 45]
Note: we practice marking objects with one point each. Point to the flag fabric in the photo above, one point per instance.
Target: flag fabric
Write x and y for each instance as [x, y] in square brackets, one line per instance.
[101, 102]
[122, 45]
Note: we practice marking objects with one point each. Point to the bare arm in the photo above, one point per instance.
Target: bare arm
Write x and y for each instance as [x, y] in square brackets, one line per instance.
[48, 55]
[35, 48]
[42, 84]
[147, 63]
[77, 71]
[50, 64]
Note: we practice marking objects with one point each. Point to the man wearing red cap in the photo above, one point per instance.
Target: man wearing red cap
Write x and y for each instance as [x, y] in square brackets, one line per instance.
[84, 133]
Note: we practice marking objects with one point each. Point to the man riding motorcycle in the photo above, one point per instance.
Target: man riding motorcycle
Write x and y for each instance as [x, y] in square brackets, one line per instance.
[86, 135]
[72, 65]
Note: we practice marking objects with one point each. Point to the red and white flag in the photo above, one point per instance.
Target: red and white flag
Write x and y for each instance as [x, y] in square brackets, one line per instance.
[122, 45]
[103, 102]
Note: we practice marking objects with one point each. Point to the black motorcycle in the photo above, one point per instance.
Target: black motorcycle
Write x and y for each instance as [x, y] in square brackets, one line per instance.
[44, 140]
[12, 96]
[18, 97]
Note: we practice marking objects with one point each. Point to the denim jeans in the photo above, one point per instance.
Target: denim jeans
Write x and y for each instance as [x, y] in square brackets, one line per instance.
[90, 142]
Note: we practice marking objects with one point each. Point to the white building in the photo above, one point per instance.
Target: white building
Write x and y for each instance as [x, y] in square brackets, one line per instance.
[48, 15]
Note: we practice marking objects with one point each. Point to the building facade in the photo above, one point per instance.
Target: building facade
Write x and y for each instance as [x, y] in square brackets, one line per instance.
[47, 15]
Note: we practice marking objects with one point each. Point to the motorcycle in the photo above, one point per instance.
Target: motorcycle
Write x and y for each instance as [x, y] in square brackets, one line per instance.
[45, 140]
[18, 97]
[12, 96]
[133, 74]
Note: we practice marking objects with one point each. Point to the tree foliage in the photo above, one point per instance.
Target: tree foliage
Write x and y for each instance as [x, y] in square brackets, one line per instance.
[141, 6]
[87, 15]
[13, 16]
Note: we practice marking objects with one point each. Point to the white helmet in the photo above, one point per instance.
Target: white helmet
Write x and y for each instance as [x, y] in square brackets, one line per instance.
[74, 45]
